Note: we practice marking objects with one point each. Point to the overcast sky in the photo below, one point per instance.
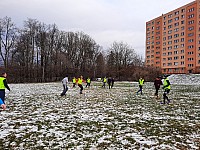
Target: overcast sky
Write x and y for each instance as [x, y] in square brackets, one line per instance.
[105, 21]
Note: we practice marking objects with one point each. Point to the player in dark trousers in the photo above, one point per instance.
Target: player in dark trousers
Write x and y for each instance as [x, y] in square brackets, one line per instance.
[112, 82]
[88, 81]
[74, 82]
[141, 83]
[65, 88]
[3, 86]
[157, 84]
[104, 82]
[109, 82]
[80, 82]
[166, 87]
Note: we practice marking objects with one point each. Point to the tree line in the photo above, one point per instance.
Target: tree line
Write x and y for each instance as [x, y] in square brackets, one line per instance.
[38, 52]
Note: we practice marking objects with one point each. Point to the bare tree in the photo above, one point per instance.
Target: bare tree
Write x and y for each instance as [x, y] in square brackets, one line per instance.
[40, 53]
[7, 39]
[100, 65]
[119, 58]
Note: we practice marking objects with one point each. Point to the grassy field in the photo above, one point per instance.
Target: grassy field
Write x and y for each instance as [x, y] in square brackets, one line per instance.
[38, 118]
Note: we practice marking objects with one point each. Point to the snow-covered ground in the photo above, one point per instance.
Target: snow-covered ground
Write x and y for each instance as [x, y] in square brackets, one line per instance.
[38, 118]
[187, 79]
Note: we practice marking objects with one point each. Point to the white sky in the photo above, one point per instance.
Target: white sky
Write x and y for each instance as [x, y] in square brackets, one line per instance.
[105, 21]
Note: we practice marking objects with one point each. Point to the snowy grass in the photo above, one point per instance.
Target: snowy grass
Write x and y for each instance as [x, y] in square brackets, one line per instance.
[38, 118]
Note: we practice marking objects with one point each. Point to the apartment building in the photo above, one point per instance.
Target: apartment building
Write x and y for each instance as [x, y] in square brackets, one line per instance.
[173, 40]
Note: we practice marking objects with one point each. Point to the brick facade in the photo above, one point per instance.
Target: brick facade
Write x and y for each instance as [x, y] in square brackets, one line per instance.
[173, 40]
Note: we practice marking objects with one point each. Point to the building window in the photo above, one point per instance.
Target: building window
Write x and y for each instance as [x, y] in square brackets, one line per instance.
[176, 29]
[169, 37]
[190, 53]
[157, 43]
[170, 47]
[169, 64]
[158, 37]
[175, 52]
[182, 39]
[191, 9]
[191, 16]
[176, 13]
[191, 22]
[190, 34]
[157, 28]
[191, 46]
[169, 53]
[157, 33]
[190, 59]
[190, 65]
[175, 58]
[191, 40]
[176, 41]
[176, 35]
[175, 46]
[177, 18]
[191, 28]
[169, 58]
[176, 24]
[170, 15]
[170, 21]
[175, 63]
[170, 42]
[170, 26]
[157, 53]
[170, 31]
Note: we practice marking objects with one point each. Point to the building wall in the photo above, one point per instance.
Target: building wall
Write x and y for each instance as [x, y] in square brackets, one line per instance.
[197, 69]
[173, 40]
